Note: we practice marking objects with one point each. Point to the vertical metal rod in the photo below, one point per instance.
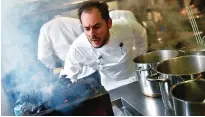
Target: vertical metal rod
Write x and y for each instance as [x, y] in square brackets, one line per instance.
[196, 26]
[191, 18]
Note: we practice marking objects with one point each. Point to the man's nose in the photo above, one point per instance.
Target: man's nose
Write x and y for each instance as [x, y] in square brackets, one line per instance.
[92, 33]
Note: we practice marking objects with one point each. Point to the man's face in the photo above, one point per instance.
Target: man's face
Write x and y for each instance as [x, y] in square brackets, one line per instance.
[95, 27]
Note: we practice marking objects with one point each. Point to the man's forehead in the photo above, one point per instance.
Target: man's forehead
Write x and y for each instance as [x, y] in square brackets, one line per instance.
[91, 17]
[91, 25]
[91, 9]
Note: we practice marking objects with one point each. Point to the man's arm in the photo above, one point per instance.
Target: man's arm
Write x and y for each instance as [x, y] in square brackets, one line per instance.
[45, 51]
[73, 66]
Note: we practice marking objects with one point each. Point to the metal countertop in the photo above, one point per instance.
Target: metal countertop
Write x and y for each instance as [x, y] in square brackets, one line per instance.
[148, 106]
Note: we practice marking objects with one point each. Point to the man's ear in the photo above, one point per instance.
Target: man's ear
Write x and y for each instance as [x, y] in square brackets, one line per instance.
[109, 23]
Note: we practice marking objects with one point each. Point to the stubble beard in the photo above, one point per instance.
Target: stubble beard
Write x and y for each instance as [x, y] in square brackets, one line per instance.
[105, 40]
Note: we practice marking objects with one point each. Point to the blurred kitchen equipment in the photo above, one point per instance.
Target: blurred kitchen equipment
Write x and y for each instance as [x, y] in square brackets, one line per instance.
[193, 49]
[151, 23]
[188, 98]
[145, 65]
[176, 70]
[123, 108]
[194, 25]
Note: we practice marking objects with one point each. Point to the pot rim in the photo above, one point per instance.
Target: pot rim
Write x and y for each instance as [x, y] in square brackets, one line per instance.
[151, 53]
[172, 88]
[194, 48]
[188, 74]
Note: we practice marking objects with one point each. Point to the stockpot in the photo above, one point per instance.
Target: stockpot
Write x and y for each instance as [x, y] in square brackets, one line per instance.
[145, 65]
[193, 49]
[176, 70]
[189, 98]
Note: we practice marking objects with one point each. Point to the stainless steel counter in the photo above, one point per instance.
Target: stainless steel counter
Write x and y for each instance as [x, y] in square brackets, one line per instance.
[146, 105]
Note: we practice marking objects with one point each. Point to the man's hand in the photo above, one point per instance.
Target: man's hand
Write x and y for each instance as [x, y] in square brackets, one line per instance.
[57, 70]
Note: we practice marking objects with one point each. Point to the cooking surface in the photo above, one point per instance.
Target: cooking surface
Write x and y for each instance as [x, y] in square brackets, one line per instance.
[123, 108]
[147, 106]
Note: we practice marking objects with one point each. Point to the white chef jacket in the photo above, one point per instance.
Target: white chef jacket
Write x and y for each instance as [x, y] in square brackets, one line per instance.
[122, 14]
[114, 63]
[55, 39]
[140, 31]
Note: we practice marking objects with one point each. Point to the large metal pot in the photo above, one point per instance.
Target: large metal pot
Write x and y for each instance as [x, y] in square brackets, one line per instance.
[189, 98]
[176, 70]
[193, 49]
[145, 65]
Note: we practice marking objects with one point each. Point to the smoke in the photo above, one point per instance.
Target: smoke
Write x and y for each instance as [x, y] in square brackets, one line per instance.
[21, 22]
[23, 76]
[20, 69]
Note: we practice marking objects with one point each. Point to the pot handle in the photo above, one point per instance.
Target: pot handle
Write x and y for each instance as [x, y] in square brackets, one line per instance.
[182, 53]
[154, 78]
[139, 69]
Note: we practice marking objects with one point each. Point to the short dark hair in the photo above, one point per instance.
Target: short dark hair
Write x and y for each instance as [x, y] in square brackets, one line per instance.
[101, 6]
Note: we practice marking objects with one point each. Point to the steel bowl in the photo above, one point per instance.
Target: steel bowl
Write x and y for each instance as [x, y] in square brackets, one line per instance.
[189, 98]
[145, 66]
[177, 70]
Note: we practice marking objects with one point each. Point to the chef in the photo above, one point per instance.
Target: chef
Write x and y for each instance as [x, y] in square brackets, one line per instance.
[106, 46]
[55, 39]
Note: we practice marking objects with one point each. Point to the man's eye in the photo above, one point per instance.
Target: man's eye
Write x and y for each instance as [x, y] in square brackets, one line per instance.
[87, 29]
[96, 27]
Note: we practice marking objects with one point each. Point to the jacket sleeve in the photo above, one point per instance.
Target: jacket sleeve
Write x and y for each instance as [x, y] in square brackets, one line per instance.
[122, 14]
[45, 51]
[73, 66]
